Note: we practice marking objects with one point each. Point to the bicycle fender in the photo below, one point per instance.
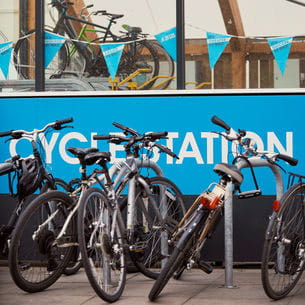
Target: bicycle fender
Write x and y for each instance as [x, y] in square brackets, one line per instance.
[189, 230]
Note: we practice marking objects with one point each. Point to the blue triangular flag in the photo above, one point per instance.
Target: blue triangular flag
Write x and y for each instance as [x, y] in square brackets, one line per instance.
[167, 40]
[52, 43]
[216, 44]
[280, 48]
[112, 54]
[6, 49]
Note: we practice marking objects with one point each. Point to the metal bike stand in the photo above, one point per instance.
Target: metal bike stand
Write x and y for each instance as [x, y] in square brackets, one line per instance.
[228, 236]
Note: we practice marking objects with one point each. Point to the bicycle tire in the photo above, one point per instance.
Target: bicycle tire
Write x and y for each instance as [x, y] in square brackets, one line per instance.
[153, 239]
[60, 185]
[24, 58]
[35, 263]
[139, 54]
[103, 255]
[166, 68]
[182, 251]
[282, 265]
[74, 265]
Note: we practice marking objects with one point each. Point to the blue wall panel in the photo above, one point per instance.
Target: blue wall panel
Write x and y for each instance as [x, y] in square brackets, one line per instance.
[276, 121]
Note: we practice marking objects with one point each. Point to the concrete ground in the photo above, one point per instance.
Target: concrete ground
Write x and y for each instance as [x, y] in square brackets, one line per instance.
[194, 288]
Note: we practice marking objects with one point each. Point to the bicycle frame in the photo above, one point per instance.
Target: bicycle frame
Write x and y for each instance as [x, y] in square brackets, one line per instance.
[64, 22]
[120, 170]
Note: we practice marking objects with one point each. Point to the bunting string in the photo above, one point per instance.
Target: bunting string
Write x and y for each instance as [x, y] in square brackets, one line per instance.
[112, 51]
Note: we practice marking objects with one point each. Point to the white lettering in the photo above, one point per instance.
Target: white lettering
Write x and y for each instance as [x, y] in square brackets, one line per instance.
[274, 143]
[210, 145]
[170, 145]
[193, 153]
[48, 147]
[63, 143]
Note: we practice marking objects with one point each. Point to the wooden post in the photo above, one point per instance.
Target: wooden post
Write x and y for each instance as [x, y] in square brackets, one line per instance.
[234, 26]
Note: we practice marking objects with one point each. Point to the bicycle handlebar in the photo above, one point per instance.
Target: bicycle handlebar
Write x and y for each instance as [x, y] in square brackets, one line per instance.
[232, 135]
[148, 139]
[17, 134]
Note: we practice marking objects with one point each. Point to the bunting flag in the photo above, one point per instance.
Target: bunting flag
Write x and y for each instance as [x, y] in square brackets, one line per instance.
[280, 48]
[6, 49]
[167, 40]
[52, 43]
[112, 54]
[216, 44]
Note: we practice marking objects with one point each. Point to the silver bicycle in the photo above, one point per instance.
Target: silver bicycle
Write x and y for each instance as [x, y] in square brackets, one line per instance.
[49, 227]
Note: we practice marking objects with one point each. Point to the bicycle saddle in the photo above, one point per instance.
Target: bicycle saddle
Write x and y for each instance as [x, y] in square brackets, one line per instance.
[95, 156]
[5, 168]
[81, 152]
[134, 29]
[114, 16]
[230, 170]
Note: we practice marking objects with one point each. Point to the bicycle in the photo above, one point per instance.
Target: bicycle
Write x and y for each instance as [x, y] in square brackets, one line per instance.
[31, 175]
[53, 237]
[202, 218]
[283, 258]
[80, 55]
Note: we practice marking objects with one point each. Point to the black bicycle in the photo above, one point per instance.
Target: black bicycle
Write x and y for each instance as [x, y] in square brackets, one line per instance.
[30, 175]
[81, 56]
[283, 260]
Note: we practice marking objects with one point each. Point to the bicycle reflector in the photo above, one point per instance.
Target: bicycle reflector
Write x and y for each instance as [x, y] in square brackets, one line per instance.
[276, 205]
[211, 199]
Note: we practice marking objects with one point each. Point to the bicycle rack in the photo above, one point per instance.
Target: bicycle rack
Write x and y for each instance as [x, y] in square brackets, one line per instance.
[116, 83]
[198, 85]
[62, 84]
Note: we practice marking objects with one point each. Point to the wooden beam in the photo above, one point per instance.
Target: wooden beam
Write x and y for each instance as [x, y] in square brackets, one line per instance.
[234, 26]
[233, 22]
[75, 11]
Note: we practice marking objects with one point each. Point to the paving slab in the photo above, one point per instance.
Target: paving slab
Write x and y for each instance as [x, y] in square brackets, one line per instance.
[194, 288]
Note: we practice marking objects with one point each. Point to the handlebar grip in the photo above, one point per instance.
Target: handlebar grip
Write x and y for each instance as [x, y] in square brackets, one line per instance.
[5, 133]
[217, 121]
[118, 125]
[125, 128]
[102, 137]
[64, 121]
[157, 135]
[90, 5]
[288, 159]
[166, 150]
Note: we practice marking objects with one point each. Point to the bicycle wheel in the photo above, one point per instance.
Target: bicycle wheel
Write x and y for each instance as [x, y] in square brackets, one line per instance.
[151, 236]
[24, 58]
[284, 247]
[35, 260]
[185, 245]
[137, 55]
[166, 68]
[101, 245]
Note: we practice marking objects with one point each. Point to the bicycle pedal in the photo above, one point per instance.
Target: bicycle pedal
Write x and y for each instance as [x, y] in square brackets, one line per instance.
[138, 247]
[207, 268]
[249, 194]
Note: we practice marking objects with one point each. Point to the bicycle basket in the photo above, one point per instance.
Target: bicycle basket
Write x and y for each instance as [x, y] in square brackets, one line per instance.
[30, 178]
